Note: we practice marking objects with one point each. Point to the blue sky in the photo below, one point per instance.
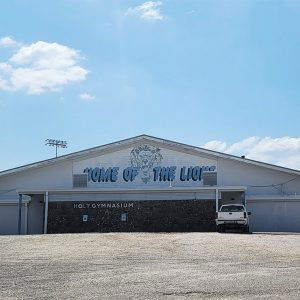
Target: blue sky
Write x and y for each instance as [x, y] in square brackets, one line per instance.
[220, 74]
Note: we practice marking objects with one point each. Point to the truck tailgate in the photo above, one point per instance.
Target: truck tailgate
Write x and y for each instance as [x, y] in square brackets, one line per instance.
[231, 215]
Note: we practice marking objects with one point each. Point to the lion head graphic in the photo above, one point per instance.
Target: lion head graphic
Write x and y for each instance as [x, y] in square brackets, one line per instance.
[144, 158]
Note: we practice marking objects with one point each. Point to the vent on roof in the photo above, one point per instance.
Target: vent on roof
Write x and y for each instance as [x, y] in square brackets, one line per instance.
[209, 178]
[80, 180]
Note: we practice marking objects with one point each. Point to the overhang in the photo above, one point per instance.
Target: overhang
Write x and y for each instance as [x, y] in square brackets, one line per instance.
[136, 190]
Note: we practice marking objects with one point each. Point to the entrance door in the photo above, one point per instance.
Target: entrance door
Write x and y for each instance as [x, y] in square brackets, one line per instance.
[36, 215]
[232, 197]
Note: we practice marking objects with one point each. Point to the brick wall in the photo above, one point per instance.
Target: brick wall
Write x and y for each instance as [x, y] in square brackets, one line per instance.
[141, 216]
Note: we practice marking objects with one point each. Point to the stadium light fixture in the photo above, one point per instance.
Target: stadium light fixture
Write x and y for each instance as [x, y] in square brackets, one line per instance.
[56, 144]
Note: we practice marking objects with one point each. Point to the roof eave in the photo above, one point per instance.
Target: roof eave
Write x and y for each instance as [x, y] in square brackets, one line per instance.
[125, 142]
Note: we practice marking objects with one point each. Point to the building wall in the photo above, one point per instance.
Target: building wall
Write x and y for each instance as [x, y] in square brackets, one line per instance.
[50, 177]
[274, 215]
[237, 173]
[132, 196]
[140, 216]
[122, 159]
[229, 173]
[54, 176]
[9, 215]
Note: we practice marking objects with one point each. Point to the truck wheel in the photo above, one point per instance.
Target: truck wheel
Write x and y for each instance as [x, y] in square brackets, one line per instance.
[246, 229]
[221, 229]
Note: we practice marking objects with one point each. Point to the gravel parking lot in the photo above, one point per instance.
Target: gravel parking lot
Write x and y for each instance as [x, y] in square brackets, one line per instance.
[150, 266]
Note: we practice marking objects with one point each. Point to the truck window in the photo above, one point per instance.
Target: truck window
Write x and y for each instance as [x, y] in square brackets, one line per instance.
[232, 208]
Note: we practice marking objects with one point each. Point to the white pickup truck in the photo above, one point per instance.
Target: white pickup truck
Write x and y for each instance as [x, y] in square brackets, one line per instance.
[232, 216]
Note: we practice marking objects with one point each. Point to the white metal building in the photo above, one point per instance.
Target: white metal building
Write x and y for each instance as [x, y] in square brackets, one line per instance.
[145, 184]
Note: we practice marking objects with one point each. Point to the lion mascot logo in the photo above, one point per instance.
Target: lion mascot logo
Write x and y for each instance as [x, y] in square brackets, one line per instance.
[144, 158]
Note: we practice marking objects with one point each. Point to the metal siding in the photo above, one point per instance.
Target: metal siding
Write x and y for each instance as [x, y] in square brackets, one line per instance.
[274, 216]
[210, 178]
[79, 180]
[121, 159]
[231, 173]
[205, 195]
[9, 219]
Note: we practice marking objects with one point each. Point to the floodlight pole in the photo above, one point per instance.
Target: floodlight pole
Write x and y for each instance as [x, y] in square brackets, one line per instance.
[56, 143]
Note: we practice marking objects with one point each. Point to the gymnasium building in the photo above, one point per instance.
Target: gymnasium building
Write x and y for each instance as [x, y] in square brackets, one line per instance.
[145, 184]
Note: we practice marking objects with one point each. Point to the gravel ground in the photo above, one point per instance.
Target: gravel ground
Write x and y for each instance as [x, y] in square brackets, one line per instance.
[150, 266]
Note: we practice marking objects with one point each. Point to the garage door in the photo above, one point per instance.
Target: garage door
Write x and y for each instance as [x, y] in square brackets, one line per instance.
[9, 218]
[274, 216]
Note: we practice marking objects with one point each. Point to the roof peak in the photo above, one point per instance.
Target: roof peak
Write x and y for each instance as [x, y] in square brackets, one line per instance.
[128, 141]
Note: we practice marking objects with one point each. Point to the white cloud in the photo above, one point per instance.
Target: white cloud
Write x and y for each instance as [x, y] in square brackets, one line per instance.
[3, 84]
[284, 151]
[149, 11]
[8, 42]
[41, 67]
[5, 68]
[87, 97]
[215, 145]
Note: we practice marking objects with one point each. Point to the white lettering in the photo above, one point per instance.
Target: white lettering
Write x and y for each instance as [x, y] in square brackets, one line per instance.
[103, 205]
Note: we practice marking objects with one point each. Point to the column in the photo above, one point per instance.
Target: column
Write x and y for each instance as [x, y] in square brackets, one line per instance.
[20, 214]
[46, 197]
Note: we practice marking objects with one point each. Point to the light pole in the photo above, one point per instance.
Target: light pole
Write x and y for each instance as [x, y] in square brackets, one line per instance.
[56, 144]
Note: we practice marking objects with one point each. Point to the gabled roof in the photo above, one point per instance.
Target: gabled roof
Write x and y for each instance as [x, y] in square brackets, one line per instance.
[144, 138]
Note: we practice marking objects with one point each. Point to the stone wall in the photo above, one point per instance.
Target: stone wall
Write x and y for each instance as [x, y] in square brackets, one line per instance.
[141, 216]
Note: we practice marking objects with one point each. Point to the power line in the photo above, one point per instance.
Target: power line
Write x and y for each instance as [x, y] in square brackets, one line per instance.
[277, 184]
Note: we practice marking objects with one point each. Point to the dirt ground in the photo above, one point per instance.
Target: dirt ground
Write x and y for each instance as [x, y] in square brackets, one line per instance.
[150, 266]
